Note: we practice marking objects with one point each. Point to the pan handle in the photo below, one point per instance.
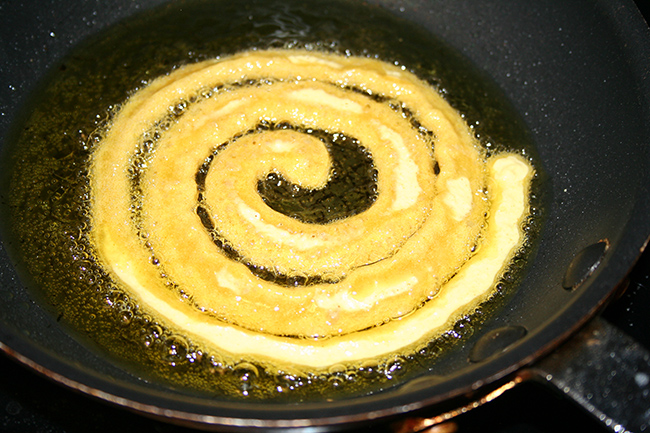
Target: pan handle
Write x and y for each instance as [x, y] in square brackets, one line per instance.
[606, 372]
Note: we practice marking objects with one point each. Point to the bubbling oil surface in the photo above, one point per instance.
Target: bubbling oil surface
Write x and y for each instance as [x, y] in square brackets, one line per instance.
[49, 202]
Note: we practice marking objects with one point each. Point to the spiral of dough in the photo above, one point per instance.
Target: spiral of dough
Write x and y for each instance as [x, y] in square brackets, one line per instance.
[223, 198]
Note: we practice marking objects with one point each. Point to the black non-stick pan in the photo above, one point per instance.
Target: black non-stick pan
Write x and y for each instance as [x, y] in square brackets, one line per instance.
[575, 73]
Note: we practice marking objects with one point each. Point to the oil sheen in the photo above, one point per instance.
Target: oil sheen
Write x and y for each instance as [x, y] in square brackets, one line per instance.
[62, 197]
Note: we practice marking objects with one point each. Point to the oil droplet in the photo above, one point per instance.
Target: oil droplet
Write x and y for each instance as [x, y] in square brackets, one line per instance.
[584, 264]
[496, 341]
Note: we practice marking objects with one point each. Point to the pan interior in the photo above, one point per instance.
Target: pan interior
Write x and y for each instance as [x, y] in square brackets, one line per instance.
[52, 154]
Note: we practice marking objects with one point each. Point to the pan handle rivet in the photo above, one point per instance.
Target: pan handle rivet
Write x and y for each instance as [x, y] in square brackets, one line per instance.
[584, 264]
[496, 341]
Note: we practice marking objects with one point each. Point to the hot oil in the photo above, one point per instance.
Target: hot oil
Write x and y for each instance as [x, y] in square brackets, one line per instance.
[48, 206]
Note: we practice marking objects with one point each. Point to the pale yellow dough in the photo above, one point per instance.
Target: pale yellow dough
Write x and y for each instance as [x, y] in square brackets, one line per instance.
[404, 267]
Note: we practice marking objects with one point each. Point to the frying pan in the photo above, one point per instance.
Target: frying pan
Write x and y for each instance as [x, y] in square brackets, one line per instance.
[575, 71]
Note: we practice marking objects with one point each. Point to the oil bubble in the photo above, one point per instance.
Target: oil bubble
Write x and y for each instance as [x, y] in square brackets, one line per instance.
[248, 375]
[175, 350]
[394, 368]
[369, 369]
[287, 381]
[126, 317]
[152, 334]
[336, 380]
[337, 369]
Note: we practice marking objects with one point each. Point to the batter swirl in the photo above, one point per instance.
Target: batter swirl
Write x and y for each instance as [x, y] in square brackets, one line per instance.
[302, 207]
